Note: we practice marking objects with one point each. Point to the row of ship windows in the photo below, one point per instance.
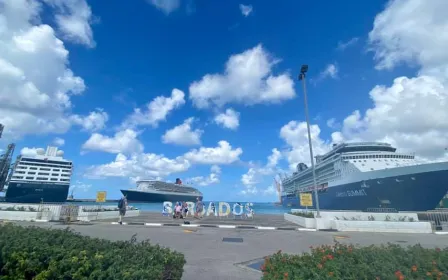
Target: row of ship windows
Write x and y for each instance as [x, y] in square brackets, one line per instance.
[45, 161]
[42, 173]
[43, 164]
[378, 156]
[41, 178]
[42, 169]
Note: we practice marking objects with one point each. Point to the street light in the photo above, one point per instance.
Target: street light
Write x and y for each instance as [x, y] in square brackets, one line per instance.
[302, 76]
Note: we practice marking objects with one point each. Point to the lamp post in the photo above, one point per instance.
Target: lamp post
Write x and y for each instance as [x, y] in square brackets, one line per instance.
[302, 76]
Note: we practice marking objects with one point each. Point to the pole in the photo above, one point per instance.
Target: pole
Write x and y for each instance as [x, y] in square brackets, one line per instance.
[310, 145]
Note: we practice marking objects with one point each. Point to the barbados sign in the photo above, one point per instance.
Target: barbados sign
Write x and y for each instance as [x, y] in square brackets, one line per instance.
[223, 209]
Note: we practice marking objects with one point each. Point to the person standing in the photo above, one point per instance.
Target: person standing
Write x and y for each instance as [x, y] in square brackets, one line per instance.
[122, 206]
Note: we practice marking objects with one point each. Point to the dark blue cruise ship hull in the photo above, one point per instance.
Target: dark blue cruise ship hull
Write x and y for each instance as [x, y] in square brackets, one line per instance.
[412, 192]
[33, 192]
[137, 196]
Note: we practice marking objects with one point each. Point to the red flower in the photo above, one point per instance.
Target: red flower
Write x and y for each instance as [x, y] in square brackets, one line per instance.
[330, 256]
[285, 275]
[397, 273]
[319, 266]
[262, 267]
[414, 268]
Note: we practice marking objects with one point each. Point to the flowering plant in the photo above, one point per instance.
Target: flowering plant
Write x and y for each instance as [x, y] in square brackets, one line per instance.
[342, 261]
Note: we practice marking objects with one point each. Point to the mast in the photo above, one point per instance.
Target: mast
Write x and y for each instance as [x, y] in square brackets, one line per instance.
[5, 162]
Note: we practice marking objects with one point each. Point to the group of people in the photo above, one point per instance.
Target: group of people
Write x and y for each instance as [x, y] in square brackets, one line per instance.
[181, 209]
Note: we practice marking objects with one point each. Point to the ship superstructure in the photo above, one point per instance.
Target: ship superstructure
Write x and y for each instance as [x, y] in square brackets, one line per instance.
[42, 177]
[356, 176]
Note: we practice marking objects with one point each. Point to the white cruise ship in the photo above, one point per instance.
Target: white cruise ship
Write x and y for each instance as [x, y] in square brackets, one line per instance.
[358, 176]
[44, 177]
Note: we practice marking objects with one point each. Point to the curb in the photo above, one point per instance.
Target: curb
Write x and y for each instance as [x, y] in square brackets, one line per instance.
[214, 226]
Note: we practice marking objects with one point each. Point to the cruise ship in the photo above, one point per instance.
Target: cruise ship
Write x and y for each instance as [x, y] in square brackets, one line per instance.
[44, 177]
[359, 176]
[158, 191]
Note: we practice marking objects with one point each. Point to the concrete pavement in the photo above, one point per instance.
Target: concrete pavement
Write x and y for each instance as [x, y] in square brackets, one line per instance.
[208, 257]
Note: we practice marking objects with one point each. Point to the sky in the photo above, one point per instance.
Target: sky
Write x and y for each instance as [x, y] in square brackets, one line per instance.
[207, 91]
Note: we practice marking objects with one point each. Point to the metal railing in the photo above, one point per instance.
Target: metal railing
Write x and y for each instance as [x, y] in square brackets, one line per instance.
[437, 217]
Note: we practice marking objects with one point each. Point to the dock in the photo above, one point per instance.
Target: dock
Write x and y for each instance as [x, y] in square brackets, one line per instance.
[260, 220]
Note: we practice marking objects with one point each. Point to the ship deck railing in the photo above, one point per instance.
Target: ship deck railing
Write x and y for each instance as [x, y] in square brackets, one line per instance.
[437, 217]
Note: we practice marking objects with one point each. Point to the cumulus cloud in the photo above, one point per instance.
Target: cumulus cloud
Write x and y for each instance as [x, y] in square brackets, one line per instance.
[183, 134]
[247, 79]
[255, 175]
[144, 165]
[212, 178]
[124, 142]
[229, 119]
[295, 134]
[73, 18]
[166, 6]
[156, 111]
[222, 154]
[28, 151]
[331, 71]
[246, 10]
[410, 113]
[33, 102]
[95, 121]
[58, 141]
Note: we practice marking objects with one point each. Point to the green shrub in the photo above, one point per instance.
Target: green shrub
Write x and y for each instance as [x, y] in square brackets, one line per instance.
[348, 262]
[37, 253]
[303, 214]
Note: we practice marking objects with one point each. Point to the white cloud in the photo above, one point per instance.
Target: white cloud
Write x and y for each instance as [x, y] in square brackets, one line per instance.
[229, 119]
[73, 19]
[156, 111]
[332, 123]
[78, 185]
[343, 45]
[167, 6]
[222, 154]
[28, 151]
[58, 141]
[124, 142]
[295, 134]
[183, 134]
[145, 165]
[255, 174]
[95, 121]
[247, 79]
[33, 102]
[411, 113]
[246, 10]
[212, 178]
[331, 71]
[413, 32]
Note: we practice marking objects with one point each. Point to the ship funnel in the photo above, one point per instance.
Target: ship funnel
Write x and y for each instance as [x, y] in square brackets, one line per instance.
[178, 181]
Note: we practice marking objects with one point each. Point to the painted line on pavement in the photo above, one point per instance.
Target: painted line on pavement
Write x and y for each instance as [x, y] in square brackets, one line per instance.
[266, 228]
[226, 226]
[153, 224]
[306, 229]
[441, 232]
[189, 225]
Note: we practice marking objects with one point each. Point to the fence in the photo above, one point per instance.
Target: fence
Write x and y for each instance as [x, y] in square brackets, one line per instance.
[438, 218]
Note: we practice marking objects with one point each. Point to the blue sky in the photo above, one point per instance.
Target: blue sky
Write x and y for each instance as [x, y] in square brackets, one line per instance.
[110, 82]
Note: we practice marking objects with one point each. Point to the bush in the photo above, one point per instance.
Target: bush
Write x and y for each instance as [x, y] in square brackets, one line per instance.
[348, 262]
[37, 253]
[303, 214]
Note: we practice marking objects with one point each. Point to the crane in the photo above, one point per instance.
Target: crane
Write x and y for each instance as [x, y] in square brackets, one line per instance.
[5, 162]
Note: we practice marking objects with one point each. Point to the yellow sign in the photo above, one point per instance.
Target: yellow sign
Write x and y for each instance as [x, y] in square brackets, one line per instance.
[306, 199]
[100, 196]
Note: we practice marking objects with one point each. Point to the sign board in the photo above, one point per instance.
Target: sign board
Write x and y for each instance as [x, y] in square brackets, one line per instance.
[100, 196]
[306, 199]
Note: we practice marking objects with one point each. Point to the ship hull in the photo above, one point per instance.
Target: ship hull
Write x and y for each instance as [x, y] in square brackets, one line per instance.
[140, 196]
[404, 192]
[35, 192]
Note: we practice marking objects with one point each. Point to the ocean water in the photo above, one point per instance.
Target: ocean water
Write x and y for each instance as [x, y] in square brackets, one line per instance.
[260, 207]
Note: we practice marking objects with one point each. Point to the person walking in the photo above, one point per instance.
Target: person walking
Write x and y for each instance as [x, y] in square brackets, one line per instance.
[122, 206]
